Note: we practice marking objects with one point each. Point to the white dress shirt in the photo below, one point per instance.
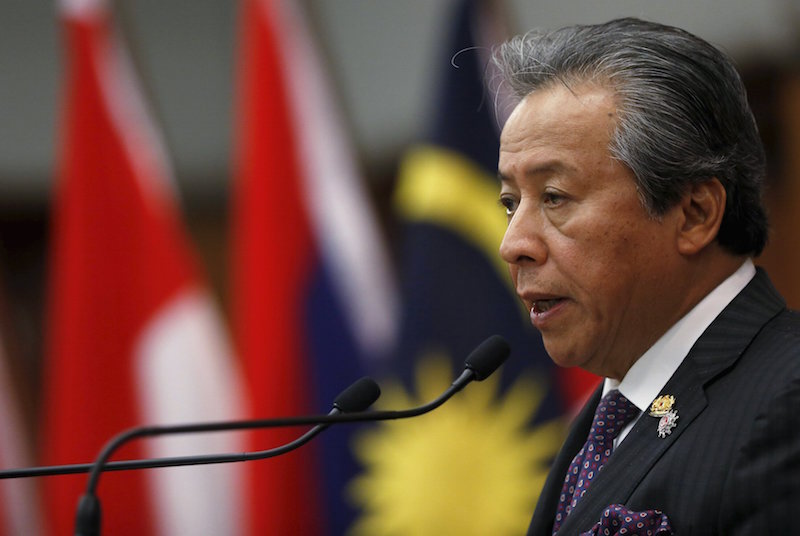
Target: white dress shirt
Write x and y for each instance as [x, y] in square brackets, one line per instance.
[650, 373]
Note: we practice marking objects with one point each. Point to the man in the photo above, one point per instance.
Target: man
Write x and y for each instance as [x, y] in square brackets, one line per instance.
[631, 174]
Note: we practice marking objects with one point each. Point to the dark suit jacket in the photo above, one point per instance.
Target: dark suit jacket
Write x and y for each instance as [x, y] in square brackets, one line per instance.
[732, 463]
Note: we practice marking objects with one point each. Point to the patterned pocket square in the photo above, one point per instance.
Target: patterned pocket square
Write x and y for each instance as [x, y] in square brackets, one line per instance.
[617, 519]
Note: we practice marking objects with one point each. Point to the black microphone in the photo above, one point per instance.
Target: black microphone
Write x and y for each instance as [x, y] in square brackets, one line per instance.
[480, 364]
[356, 398]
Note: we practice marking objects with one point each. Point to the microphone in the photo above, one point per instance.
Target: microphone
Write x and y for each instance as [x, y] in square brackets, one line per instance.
[356, 398]
[482, 362]
[479, 365]
[487, 357]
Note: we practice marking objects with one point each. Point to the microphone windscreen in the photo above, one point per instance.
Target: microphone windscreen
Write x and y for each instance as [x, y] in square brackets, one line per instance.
[359, 396]
[488, 356]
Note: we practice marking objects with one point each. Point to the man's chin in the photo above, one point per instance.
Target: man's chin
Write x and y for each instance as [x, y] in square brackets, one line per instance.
[562, 358]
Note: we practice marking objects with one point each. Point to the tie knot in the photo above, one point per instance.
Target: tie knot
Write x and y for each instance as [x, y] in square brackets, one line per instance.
[613, 413]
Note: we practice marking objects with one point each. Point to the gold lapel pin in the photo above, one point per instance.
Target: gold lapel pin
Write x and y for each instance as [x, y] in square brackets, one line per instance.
[663, 407]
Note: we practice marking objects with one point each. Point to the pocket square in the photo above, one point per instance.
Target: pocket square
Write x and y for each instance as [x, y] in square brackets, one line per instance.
[616, 519]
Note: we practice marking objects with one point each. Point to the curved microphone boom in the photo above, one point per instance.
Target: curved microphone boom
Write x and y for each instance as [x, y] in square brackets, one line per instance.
[359, 396]
[480, 364]
[356, 398]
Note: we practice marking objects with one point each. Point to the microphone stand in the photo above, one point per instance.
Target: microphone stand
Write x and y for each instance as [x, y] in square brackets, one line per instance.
[87, 521]
[89, 513]
[481, 363]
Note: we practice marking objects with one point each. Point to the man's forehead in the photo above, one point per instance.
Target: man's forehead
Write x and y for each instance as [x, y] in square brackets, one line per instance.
[561, 114]
[573, 102]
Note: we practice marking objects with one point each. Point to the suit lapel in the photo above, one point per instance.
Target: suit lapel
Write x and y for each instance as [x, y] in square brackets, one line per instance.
[716, 351]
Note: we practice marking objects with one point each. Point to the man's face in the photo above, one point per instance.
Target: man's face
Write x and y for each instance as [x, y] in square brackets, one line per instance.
[590, 264]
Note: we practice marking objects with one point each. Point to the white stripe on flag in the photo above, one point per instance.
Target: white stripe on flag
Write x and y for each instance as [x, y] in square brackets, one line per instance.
[81, 8]
[345, 227]
[133, 119]
[181, 380]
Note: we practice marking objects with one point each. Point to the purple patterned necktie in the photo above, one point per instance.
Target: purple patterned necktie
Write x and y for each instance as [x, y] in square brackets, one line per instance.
[611, 416]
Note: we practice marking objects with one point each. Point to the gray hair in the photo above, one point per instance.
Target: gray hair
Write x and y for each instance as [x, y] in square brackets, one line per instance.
[682, 108]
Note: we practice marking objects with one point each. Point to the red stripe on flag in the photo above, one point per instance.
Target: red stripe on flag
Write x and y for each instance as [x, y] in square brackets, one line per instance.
[272, 259]
[118, 256]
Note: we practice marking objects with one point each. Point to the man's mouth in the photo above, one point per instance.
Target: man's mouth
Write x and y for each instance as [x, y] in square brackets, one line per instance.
[542, 306]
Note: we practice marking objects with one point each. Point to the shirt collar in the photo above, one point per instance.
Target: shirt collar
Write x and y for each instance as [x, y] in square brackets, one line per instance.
[650, 373]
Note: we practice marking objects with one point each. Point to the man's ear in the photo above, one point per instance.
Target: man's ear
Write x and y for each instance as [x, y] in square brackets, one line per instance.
[702, 207]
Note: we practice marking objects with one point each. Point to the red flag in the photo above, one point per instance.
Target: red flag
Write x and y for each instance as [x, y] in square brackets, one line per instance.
[270, 266]
[132, 335]
[308, 264]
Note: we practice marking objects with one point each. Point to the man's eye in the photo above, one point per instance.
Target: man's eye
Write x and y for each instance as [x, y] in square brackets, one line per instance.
[552, 199]
[508, 203]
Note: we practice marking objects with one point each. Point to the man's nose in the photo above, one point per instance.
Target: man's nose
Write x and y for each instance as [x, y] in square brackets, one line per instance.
[523, 241]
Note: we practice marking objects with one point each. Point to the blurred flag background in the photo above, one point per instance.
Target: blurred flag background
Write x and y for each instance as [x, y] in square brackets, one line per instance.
[133, 337]
[313, 302]
[325, 269]
[19, 505]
